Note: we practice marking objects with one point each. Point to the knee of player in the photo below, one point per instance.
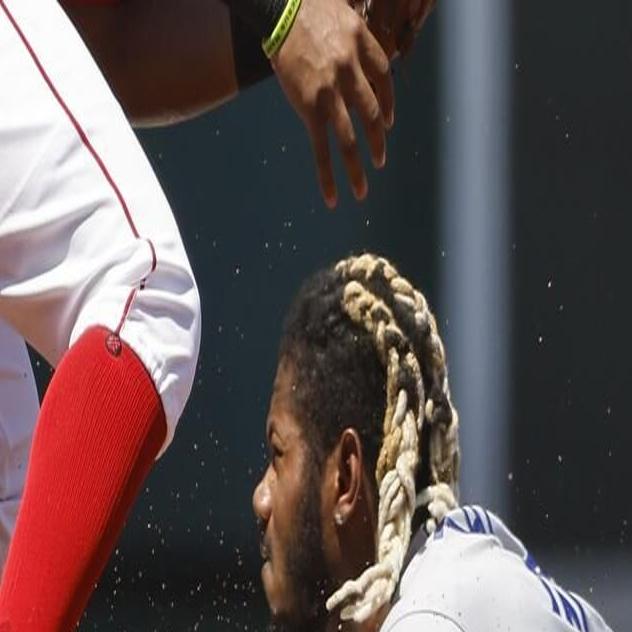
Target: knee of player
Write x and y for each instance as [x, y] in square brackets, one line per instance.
[179, 359]
[191, 329]
[175, 327]
[196, 329]
[185, 309]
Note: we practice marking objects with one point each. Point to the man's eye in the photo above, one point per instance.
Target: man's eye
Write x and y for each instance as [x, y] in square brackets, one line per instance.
[275, 453]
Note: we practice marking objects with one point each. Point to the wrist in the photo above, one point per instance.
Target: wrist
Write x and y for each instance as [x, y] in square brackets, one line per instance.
[272, 44]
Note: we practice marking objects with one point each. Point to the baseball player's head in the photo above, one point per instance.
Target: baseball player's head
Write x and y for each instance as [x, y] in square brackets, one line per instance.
[363, 446]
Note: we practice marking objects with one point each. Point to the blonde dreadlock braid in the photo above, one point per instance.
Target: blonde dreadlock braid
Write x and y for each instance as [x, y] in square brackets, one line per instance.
[379, 299]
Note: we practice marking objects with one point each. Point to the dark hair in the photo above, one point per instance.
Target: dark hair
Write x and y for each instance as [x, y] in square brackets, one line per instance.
[340, 381]
[366, 353]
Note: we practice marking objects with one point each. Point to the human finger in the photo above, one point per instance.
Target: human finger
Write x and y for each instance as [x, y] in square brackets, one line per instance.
[347, 142]
[377, 69]
[317, 131]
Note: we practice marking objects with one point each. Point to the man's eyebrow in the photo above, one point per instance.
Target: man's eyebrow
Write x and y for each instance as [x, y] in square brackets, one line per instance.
[270, 427]
[273, 431]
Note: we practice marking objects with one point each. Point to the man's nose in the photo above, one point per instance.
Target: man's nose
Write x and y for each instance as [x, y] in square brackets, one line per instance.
[262, 499]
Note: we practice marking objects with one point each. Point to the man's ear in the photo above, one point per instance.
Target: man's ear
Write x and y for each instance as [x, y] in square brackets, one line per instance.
[350, 469]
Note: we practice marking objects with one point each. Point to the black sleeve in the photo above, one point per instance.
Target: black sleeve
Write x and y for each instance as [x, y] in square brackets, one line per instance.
[251, 64]
[260, 15]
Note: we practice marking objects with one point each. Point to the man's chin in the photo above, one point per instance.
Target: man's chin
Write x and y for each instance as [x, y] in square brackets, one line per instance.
[285, 614]
[287, 623]
[286, 619]
[280, 618]
[271, 593]
[266, 577]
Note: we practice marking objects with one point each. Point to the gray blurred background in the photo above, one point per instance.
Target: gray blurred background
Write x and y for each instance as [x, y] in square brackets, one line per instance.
[506, 199]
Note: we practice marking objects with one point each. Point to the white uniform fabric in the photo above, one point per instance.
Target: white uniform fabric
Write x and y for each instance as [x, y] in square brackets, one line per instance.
[19, 406]
[86, 235]
[474, 575]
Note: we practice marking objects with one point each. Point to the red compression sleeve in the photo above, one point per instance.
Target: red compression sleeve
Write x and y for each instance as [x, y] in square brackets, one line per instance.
[98, 433]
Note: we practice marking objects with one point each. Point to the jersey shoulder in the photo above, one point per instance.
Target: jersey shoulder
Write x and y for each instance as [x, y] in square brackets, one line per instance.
[476, 575]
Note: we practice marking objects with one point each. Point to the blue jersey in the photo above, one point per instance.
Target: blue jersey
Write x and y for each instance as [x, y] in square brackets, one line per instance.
[474, 575]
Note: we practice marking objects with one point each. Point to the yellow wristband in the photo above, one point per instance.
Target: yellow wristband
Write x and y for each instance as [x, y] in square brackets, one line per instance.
[272, 44]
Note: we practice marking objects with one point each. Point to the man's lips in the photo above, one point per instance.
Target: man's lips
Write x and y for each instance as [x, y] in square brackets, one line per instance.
[264, 549]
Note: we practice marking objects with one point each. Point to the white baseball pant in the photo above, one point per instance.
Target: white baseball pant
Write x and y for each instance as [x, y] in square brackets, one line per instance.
[87, 236]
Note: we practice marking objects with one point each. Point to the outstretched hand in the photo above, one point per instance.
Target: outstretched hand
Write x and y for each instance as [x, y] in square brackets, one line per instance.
[395, 23]
[330, 63]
